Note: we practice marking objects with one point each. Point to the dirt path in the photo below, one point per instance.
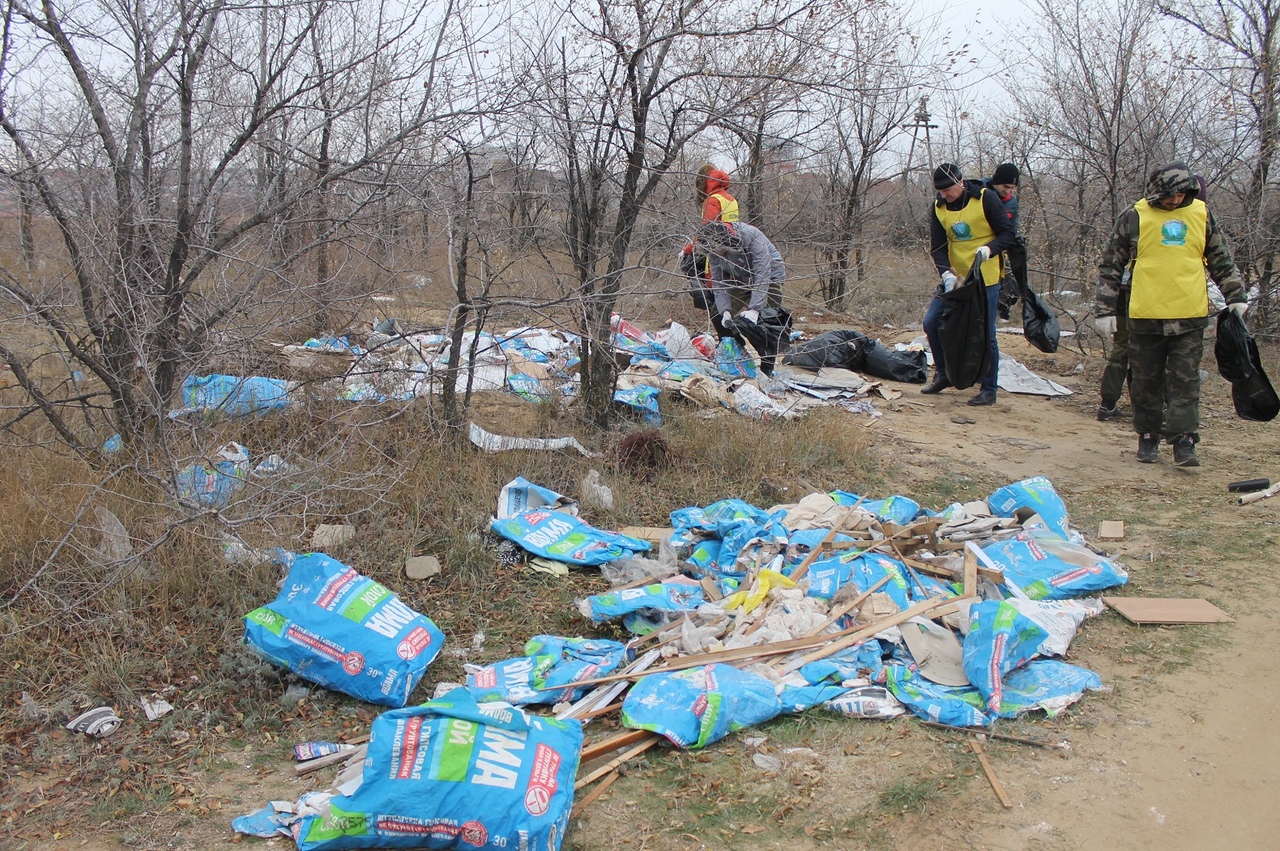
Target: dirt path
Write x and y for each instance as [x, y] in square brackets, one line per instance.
[1185, 759]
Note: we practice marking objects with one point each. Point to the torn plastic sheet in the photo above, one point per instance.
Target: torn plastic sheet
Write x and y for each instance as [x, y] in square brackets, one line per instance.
[677, 595]
[490, 442]
[698, 706]
[1045, 567]
[643, 398]
[549, 662]
[275, 819]
[1016, 378]
[520, 496]
[561, 537]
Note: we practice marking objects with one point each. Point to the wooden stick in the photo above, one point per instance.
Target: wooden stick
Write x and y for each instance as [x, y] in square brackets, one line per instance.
[603, 710]
[970, 569]
[1004, 737]
[329, 759]
[737, 654]
[599, 749]
[594, 793]
[852, 637]
[976, 747]
[612, 764]
[844, 608]
[799, 572]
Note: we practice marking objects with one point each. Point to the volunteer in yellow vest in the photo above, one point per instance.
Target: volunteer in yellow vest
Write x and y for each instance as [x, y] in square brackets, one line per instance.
[968, 223]
[1167, 240]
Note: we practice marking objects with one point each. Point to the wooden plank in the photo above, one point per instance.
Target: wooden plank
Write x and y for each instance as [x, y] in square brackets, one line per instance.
[1111, 530]
[607, 746]
[613, 764]
[799, 572]
[653, 534]
[594, 793]
[970, 569]
[977, 748]
[844, 608]
[852, 637]
[1147, 610]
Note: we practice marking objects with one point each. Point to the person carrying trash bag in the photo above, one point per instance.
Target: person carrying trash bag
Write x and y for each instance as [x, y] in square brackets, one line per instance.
[745, 267]
[1168, 239]
[1004, 182]
[968, 226]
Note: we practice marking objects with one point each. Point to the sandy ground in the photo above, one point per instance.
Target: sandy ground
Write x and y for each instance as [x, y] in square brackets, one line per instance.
[1189, 759]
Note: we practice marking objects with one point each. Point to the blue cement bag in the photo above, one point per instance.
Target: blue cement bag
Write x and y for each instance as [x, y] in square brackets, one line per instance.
[864, 570]
[959, 706]
[335, 627]
[733, 361]
[1046, 684]
[233, 395]
[454, 774]
[664, 596]
[549, 661]
[896, 509]
[560, 537]
[642, 398]
[1047, 568]
[1000, 639]
[796, 699]
[863, 660]
[698, 706]
[214, 486]
[718, 517]
[1034, 494]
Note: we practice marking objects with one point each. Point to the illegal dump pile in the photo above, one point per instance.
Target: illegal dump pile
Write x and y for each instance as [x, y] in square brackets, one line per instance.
[870, 608]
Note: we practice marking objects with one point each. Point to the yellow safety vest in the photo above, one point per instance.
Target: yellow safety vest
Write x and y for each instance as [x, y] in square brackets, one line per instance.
[728, 207]
[1168, 267]
[967, 231]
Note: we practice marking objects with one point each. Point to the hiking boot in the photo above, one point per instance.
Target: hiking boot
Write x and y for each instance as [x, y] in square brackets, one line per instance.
[1105, 413]
[938, 384]
[1148, 448]
[1184, 451]
[986, 397]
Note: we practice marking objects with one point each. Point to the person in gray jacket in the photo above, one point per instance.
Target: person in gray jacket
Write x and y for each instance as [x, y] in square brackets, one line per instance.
[747, 271]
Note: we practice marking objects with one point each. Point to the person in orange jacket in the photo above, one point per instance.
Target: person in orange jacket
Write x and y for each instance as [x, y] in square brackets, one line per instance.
[712, 187]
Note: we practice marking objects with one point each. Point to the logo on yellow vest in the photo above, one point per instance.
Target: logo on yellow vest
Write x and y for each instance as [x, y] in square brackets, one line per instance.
[962, 232]
[1173, 232]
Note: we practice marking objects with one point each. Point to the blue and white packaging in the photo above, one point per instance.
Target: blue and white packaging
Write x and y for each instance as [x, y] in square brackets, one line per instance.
[698, 706]
[958, 706]
[233, 395]
[520, 495]
[549, 663]
[1000, 639]
[562, 537]
[1047, 568]
[1046, 684]
[454, 774]
[1034, 494]
[673, 596]
[335, 627]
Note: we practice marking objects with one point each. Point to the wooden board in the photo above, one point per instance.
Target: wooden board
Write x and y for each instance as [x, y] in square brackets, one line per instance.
[1111, 530]
[653, 534]
[1144, 610]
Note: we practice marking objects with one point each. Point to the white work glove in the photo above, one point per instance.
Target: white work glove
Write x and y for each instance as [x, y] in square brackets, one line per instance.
[1238, 308]
[726, 318]
[983, 255]
[949, 281]
[752, 316]
[1106, 326]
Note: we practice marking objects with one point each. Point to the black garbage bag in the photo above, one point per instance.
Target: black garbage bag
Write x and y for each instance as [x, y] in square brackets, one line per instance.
[841, 349]
[1238, 362]
[694, 267]
[963, 331]
[769, 335]
[1039, 324]
[884, 362]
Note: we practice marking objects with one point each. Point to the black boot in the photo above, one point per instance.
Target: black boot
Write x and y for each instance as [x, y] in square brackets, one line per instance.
[1148, 448]
[938, 384]
[1184, 451]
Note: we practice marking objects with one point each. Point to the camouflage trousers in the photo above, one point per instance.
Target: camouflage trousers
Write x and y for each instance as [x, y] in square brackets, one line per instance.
[1116, 372]
[1160, 364]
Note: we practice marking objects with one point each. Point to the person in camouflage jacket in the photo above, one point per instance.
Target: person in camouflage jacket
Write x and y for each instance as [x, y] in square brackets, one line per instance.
[1166, 240]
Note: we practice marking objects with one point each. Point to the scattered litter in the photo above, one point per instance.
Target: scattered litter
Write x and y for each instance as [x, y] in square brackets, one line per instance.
[767, 762]
[1016, 378]
[501, 443]
[155, 707]
[214, 486]
[305, 751]
[595, 493]
[99, 723]
[335, 627]
[329, 535]
[547, 671]
[1248, 486]
[520, 495]
[294, 693]
[266, 823]
[421, 567]
[698, 706]
[1258, 495]
[557, 535]
[115, 545]
[1147, 610]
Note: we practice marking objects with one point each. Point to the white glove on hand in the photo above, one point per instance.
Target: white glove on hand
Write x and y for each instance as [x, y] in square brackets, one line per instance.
[752, 316]
[949, 281]
[1106, 325]
[726, 318]
[983, 255]
[1238, 308]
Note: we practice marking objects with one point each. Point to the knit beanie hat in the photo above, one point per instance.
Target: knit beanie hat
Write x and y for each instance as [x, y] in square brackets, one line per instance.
[947, 175]
[1005, 173]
